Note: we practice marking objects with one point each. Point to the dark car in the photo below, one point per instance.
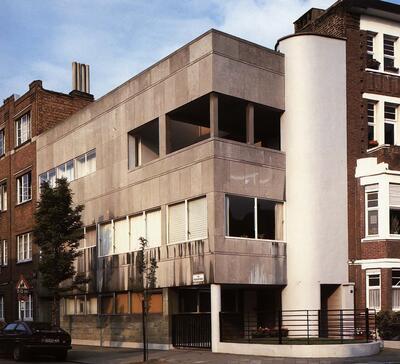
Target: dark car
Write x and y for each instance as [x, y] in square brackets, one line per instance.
[24, 339]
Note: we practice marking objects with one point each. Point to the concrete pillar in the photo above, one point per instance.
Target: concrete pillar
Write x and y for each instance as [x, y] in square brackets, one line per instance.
[213, 115]
[162, 135]
[215, 310]
[250, 123]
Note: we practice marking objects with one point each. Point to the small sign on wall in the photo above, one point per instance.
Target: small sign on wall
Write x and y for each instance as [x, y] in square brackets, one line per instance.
[198, 278]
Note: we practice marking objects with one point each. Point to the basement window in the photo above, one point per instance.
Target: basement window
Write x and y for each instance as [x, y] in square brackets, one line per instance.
[188, 124]
[254, 218]
[143, 144]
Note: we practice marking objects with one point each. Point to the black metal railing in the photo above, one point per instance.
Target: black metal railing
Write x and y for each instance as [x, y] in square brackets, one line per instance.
[191, 330]
[299, 326]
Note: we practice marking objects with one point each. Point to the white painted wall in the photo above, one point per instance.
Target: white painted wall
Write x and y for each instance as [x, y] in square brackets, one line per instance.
[314, 139]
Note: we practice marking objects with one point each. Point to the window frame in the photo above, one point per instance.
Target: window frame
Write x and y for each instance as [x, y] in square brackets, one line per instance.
[3, 196]
[368, 288]
[24, 304]
[255, 218]
[3, 253]
[26, 248]
[392, 122]
[371, 124]
[396, 287]
[387, 37]
[3, 142]
[373, 208]
[21, 188]
[20, 137]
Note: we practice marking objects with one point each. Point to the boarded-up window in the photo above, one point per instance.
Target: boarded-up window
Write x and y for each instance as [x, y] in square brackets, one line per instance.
[107, 305]
[177, 223]
[153, 228]
[156, 303]
[121, 236]
[106, 239]
[121, 303]
[138, 229]
[197, 216]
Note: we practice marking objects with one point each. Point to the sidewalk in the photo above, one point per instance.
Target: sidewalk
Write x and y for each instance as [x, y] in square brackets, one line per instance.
[93, 355]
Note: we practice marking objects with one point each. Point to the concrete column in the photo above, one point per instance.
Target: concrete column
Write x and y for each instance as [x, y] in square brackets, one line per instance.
[250, 123]
[215, 310]
[162, 135]
[213, 115]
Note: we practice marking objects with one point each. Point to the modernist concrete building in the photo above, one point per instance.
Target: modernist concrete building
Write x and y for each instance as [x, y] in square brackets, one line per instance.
[210, 154]
[372, 30]
[22, 119]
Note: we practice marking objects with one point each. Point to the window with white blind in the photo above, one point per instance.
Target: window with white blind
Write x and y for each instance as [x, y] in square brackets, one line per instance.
[396, 289]
[49, 177]
[23, 129]
[373, 290]
[106, 239]
[394, 208]
[138, 230]
[3, 253]
[86, 164]
[2, 142]
[24, 188]
[187, 221]
[24, 247]
[3, 196]
[146, 225]
[121, 236]
[372, 210]
[66, 170]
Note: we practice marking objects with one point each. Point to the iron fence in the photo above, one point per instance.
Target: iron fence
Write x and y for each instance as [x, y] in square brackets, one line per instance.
[299, 326]
[191, 330]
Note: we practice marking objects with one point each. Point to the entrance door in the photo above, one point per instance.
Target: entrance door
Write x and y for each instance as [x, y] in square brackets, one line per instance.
[191, 327]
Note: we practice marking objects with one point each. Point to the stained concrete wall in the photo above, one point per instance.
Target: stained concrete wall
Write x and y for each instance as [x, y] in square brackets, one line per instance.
[214, 62]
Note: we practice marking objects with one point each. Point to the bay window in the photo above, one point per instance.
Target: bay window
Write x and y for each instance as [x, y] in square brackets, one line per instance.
[372, 210]
[254, 218]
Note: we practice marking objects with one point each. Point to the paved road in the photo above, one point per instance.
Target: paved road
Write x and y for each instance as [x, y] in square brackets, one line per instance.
[93, 355]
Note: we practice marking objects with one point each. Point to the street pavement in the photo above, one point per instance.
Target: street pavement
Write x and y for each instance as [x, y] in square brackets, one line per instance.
[95, 355]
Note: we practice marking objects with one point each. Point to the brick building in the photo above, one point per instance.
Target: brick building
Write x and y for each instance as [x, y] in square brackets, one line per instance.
[372, 30]
[22, 119]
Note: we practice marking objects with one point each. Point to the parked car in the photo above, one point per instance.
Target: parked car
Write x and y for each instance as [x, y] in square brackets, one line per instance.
[24, 339]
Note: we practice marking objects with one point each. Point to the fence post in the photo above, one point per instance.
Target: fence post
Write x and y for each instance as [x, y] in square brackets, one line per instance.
[280, 326]
[366, 324]
[308, 328]
[341, 326]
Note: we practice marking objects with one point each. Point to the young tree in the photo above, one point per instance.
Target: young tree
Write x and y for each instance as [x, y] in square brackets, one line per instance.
[147, 269]
[58, 229]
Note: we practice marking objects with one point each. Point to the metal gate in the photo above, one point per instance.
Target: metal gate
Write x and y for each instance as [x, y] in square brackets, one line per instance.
[191, 330]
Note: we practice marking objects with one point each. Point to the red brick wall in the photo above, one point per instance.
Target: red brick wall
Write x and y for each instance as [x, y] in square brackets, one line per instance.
[47, 108]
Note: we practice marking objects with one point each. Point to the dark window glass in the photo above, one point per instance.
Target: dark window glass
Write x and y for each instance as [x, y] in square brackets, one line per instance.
[370, 133]
[374, 280]
[266, 219]
[188, 300]
[228, 300]
[396, 278]
[389, 133]
[204, 301]
[394, 221]
[10, 327]
[240, 217]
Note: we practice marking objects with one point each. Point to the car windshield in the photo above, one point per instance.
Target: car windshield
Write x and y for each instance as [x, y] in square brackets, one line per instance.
[42, 326]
